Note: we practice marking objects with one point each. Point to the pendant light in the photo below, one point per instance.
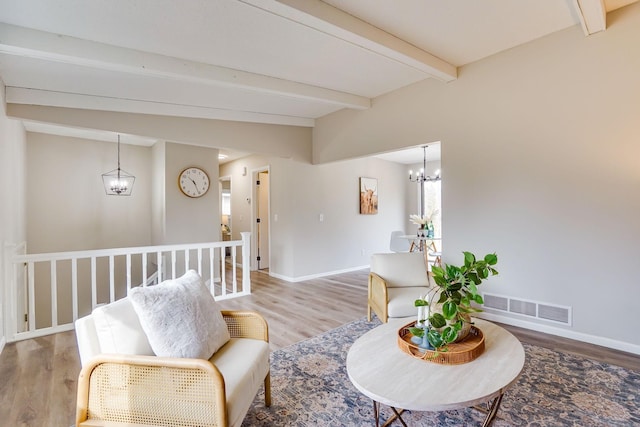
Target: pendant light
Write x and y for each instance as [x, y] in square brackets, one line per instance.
[118, 182]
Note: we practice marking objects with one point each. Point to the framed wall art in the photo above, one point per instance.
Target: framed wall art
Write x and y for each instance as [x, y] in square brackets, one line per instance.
[368, 196]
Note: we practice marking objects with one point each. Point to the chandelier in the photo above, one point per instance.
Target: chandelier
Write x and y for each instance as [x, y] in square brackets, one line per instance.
[422, 177]
[118, 182]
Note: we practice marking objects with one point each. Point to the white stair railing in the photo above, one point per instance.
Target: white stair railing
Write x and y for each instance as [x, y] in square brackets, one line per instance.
[54, 289]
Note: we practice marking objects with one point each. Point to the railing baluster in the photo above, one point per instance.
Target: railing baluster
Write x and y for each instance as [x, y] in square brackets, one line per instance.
[112, 282]
[128, 272]
[212, 281]
[94, 284]
[54, 293]
[234, 268]
[144, 269]
[32, 297]
[74, 288]
[173, 264]
[160, 267]
[223, 268]
[199, 252]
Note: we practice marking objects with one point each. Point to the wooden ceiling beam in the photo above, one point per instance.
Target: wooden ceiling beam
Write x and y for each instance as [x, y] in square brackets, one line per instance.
[593, 15]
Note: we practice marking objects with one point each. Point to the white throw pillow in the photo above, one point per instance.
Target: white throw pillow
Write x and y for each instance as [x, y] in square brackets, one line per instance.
[119, 330]
[180, 317]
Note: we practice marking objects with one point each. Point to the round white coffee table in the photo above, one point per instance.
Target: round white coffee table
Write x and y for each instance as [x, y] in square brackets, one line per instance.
[381, 371]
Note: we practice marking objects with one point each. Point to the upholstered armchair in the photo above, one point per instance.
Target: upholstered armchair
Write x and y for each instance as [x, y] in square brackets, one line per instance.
[123, 383]
[396, 280]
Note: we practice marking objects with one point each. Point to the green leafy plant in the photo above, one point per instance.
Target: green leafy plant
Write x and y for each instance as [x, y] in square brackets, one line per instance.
[456, 289]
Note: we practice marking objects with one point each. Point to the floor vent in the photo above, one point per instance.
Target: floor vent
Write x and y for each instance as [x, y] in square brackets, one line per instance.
[539, 310]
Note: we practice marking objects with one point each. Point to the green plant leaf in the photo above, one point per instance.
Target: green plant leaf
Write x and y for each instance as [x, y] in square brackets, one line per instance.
[449, 310]
[469, 259]
[478, 298]
[437, 271]
[434, 338]
[443, 298]
[473, 288]
[437, 320]
[473, 277]
[491, 259]
[454, 287]
[420, 303]
[449, 334]
[483, 273]
[417, 332]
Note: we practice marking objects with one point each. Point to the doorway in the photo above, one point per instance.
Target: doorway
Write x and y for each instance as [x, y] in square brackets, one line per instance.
[225, 211]
[261, 223]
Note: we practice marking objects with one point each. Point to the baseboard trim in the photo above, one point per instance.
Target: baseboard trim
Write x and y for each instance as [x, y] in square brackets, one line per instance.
[565, 333]
[316, 276]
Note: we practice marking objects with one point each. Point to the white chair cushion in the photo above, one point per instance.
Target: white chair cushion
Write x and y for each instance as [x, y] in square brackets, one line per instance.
[180, 317]
[118, 329]
[402, 301]
[401, 269]
[88, 344]
[244, 363]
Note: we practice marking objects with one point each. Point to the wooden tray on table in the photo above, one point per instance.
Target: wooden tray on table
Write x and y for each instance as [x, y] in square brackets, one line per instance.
[451, 354]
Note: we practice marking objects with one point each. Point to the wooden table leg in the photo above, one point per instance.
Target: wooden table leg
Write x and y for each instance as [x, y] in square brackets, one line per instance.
[491, 410]
[395, 416]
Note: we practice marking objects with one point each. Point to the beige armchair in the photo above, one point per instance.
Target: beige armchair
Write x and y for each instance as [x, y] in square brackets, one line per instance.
[396, 280]
[143, 390]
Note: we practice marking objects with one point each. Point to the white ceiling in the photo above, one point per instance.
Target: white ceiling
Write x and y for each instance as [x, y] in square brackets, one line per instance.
[268, 61]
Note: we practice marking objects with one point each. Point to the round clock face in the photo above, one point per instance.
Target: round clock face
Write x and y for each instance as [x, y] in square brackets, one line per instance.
[194, 182]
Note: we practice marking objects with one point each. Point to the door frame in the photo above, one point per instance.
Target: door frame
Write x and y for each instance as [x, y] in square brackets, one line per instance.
[254, 215]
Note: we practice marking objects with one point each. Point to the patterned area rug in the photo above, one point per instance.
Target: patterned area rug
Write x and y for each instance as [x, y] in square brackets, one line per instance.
[310, 387]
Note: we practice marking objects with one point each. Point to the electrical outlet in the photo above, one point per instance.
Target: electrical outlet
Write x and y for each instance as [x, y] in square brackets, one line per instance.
[321, 217]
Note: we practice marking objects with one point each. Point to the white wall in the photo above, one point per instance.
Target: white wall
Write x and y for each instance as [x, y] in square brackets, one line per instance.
[540, 145]
[12, 206]
[301, 245]
[67, 208]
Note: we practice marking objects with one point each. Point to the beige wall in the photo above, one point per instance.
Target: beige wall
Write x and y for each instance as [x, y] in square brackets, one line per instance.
[67, 208]
[12, 194]
[301, 245]
[189, 220]
[540, 148]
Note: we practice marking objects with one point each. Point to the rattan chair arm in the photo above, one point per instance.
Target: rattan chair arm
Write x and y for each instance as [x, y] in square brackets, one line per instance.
[377, 288]
[246, 324]
[378, 296]
[92, 373]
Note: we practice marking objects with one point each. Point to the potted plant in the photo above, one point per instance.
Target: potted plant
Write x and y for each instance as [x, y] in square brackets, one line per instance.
[448, 304]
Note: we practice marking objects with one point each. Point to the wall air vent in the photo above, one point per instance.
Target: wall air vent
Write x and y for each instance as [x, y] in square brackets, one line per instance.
[493, 301]
[555, 313]
[522, 307]
[535, 309]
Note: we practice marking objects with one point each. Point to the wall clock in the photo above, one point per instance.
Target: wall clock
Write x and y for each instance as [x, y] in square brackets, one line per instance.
[193, 182]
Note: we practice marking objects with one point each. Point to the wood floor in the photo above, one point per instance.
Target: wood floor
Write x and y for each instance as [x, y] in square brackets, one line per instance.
[38, 376]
